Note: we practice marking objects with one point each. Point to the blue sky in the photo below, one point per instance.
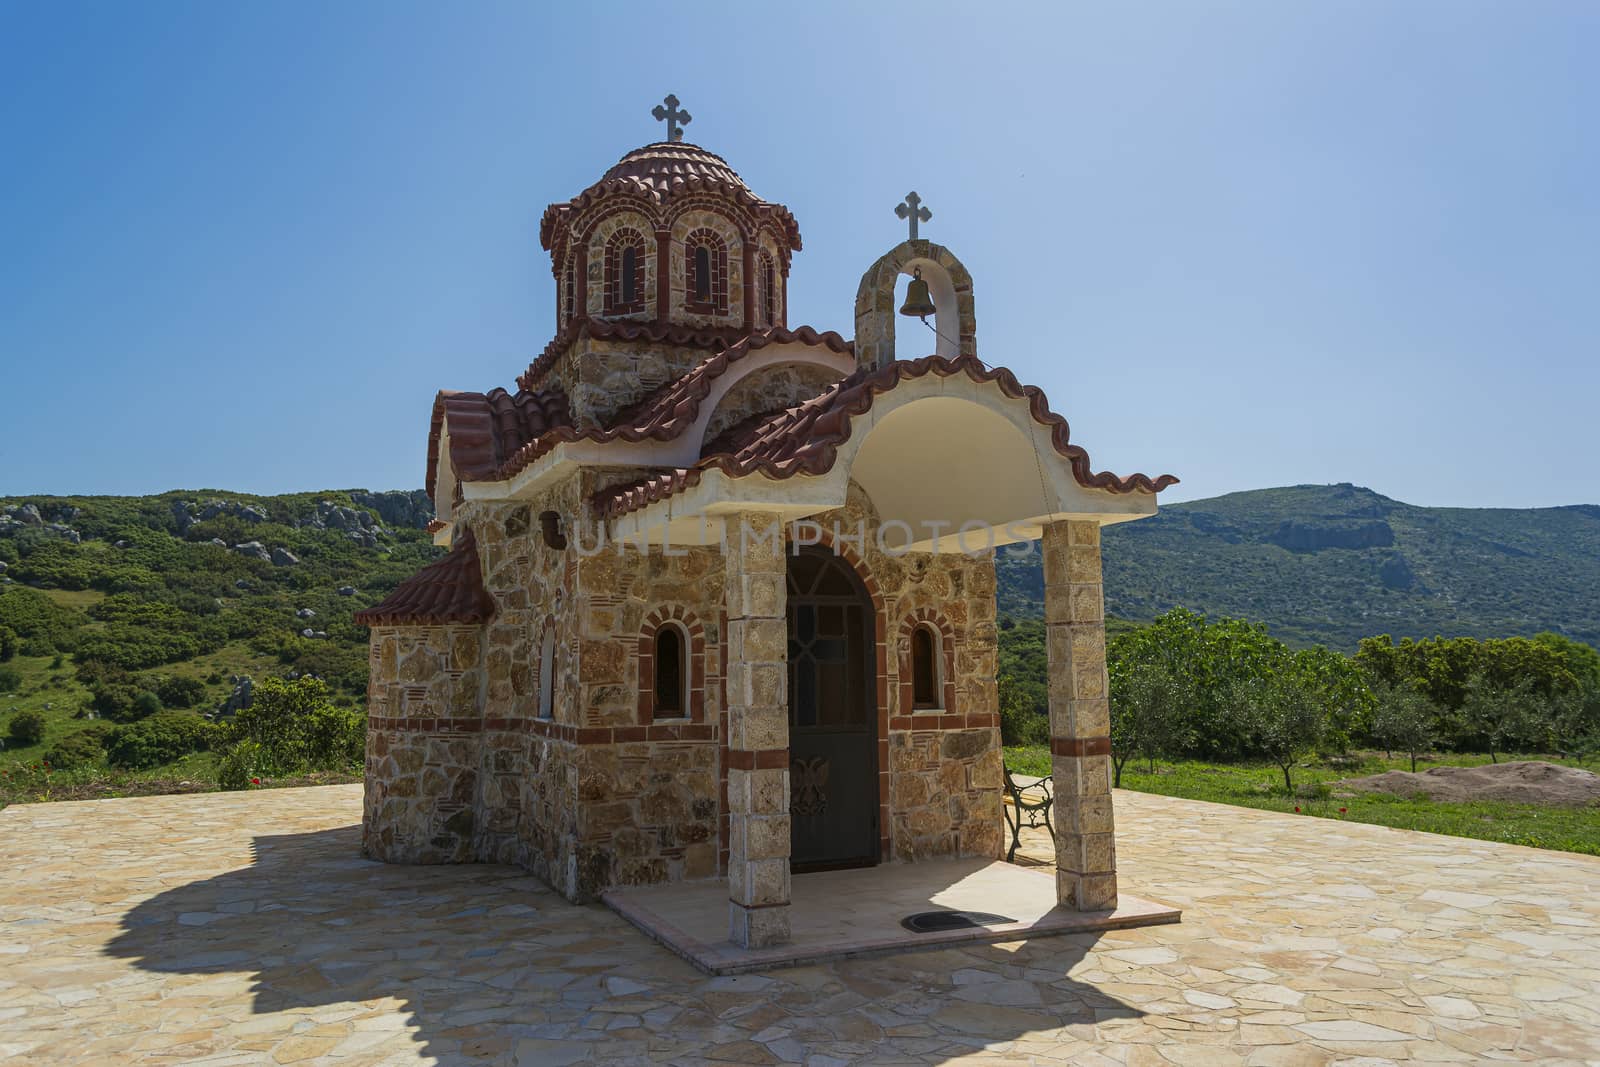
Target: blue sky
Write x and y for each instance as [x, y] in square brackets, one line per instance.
[1252, 244]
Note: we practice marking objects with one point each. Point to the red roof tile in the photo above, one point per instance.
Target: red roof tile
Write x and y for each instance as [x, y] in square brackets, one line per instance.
[805, 439]
[487, 428]
[659, 172]
[494, 435]
[447, 591]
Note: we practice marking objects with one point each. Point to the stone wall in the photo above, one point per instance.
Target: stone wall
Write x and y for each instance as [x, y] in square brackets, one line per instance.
[461, 766]
[528, 796]
[649, 801]
[781, 386]
[602, 377]
[423, 744]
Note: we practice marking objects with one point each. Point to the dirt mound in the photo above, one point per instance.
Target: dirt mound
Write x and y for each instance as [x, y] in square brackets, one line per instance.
[1527, 782]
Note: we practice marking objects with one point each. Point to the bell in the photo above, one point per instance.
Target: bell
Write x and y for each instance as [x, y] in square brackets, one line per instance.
[918, 302]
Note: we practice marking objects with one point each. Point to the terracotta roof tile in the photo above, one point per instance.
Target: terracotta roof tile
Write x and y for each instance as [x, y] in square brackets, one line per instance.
[487, 428]
[661, 416]
[805, 439]
[659, 172]
[447, 591]
[712, 338]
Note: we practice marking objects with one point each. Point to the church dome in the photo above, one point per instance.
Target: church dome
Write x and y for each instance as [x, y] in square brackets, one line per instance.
[667, 167]
[654, 176]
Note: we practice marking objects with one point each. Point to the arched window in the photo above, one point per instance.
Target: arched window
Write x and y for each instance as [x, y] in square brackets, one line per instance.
[570, 300]
[706, 273]
[702, 274]
[924, 668]
[671, 673]
[625, 273]
[769, 292]
[547, 671]
[630, 274]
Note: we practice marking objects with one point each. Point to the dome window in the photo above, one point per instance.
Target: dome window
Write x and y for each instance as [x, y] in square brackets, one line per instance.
[625, 281]
[768, 308]
[707, 273]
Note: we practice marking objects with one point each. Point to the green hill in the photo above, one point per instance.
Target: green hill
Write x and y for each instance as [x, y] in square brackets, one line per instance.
[1331, 564]
[124, 608]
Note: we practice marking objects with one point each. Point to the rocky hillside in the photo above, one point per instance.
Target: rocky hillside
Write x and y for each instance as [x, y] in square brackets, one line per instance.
[205, 587]
[1334, 563]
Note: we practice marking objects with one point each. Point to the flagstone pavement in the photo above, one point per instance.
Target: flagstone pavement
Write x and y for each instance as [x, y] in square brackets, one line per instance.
[244, 928]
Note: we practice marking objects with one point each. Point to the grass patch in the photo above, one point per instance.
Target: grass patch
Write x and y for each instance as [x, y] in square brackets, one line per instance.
[1261, 786]
[32, 783]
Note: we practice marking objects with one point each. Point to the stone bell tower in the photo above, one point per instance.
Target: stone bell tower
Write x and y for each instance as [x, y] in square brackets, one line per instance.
[949, 287]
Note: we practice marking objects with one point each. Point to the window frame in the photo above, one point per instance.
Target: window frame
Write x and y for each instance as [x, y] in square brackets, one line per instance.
[715, 247]
[683, 710]
[546, 709]
[617, 301]
[934, 672]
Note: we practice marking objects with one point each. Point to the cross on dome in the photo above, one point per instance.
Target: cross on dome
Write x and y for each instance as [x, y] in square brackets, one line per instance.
[674, 118]
[912, 210]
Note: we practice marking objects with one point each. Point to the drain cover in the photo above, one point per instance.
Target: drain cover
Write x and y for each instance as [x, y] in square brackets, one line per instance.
[927, 922]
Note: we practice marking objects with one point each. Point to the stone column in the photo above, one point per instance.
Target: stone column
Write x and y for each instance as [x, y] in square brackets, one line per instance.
[1080, 716]
[758, 731]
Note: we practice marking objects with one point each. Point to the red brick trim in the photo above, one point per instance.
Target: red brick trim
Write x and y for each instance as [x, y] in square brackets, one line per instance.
[614, 301]
[747, 287]
[695, 635]
[766, 296]
[1080, 746]
[934, 620]
[560, 731]
[663, 274]
[760, 759]
[717, 287]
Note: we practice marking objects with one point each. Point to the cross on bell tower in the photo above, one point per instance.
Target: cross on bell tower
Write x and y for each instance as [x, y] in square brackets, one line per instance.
[674, 118]
[911, 209]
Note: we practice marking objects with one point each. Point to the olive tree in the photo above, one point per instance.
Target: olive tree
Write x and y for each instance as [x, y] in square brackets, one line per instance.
[1287, 715]
[1150, 702]
[1404, 719]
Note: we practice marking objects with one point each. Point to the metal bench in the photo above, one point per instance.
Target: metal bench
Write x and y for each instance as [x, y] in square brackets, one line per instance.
[1030, 806]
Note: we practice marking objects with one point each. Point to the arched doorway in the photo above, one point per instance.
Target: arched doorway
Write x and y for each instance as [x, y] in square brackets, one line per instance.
[833, 794]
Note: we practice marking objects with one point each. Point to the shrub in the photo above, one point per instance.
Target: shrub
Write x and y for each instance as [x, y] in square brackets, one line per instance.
[115, 701]
[27, 727]
[179, 691]
[242, 763]
[82, 749]
[145, 705]
[335, 737]
[293, 726]
[10, 679]
[161, 738]
[9, 642]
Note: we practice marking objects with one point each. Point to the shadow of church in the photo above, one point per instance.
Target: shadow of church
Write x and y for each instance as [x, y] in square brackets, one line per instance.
[485, 964]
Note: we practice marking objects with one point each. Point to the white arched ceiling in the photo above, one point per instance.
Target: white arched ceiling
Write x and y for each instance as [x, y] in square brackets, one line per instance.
[944, 462]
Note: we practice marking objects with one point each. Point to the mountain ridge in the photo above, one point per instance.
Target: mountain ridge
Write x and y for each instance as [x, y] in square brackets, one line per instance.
[1331, 564]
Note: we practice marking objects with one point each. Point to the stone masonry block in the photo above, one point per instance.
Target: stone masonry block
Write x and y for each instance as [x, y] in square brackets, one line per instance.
[759, 927]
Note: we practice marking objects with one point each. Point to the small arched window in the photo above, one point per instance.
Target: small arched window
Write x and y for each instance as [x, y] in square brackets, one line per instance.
[630, 274]
[924, 668]
[706, 273]
[702, 274]
[625, 281]
[547, 672]
[570, 298]
[766, 292]
[671, 674]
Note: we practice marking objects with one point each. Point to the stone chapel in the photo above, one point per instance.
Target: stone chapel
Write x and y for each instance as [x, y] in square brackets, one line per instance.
[719, 600]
